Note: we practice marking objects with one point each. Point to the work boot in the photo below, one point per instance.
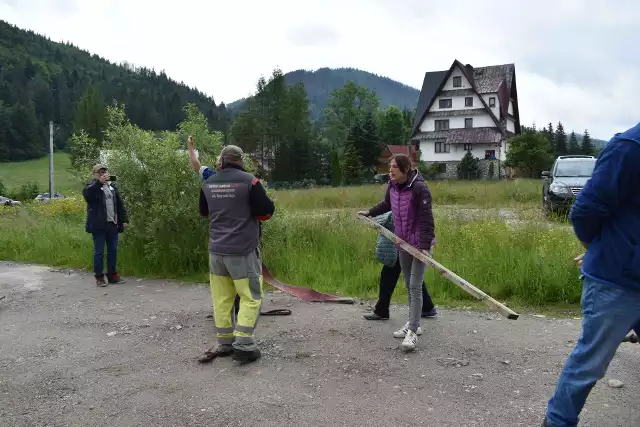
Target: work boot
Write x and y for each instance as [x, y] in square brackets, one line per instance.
[221, 351]
[246, 356]
[430, 314]
[115, 278]
[100, 280]
[375, 316]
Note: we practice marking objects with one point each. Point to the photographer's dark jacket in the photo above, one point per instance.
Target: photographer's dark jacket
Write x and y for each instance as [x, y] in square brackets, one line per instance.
[97, 208]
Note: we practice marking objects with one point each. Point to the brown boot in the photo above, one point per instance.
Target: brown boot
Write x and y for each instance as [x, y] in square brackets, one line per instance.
[115, 278]
[100, 281]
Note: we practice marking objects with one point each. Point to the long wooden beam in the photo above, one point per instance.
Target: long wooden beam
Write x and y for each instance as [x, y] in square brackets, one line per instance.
[445, 272]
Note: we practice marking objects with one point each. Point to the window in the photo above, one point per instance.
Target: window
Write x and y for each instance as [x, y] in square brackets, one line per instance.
[457, 81]
[468, 101]
[467, 147]
[442, 124]
[490, 155]
[445, 103]
[492, 102]
[468, 123]
[442, 147]
[440, 167]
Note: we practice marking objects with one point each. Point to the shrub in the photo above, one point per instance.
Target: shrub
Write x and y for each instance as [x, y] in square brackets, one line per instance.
[159, 189]
[469, 167]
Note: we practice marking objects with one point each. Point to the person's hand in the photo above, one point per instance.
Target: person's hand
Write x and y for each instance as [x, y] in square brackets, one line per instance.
[427, 252]
[579, 259]
[363, 213]
[125, 225]
[191, 143]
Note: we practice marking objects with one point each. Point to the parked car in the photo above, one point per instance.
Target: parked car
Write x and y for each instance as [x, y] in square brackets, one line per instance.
[5, 201]
[565, 180]
[381, 178]
[44, 197]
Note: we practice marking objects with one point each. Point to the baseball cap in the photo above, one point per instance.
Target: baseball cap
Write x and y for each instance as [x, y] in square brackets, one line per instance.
[98, 167]
[232, 153]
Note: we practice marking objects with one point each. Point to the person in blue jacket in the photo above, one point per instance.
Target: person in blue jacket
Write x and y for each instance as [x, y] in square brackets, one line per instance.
[606, 220]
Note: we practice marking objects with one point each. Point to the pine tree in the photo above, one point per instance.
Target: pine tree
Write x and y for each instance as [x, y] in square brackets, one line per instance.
[574, 147]
[352, 168]
[91, 115]
[561, 140]
[368, 144]
[551, 137]
[336, 173]
[469, 167]
[587, 147]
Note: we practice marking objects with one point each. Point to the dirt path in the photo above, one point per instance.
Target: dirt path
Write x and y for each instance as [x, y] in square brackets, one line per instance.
[61, 364]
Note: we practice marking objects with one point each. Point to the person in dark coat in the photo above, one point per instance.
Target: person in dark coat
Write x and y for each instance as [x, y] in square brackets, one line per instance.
[106, 218]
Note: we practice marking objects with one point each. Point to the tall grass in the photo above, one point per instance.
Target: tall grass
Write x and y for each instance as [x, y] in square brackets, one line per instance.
[479, 193]
[530, 263]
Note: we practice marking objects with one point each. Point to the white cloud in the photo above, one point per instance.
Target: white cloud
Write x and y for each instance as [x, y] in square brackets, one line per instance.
[574, 59]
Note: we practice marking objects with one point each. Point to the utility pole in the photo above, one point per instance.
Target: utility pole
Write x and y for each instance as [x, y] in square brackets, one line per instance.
[51, 160]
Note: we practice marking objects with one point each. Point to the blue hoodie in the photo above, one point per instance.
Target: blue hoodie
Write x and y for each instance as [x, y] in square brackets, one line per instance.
[606, 214]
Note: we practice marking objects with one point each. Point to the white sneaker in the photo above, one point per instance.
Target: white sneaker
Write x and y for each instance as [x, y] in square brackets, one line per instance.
[409, 342]
[401, 333]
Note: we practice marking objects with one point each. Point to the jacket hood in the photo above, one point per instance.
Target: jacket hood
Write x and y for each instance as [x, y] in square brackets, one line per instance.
[632, 134]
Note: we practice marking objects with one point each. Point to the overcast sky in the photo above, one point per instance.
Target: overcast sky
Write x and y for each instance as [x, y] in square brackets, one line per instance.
[576, 60]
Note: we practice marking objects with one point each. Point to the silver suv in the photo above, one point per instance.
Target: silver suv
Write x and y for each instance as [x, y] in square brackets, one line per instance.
[565, 180]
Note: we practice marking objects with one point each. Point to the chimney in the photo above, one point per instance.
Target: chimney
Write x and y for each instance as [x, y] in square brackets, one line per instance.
[470, 76]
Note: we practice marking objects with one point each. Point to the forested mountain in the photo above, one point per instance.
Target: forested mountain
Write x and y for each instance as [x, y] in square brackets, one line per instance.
[41, 80]
[320, 83]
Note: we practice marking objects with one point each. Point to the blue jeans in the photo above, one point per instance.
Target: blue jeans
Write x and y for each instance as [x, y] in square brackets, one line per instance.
[609, 312]
[109, 237]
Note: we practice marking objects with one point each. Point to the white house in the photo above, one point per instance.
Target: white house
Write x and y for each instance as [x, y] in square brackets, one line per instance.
[466, 108]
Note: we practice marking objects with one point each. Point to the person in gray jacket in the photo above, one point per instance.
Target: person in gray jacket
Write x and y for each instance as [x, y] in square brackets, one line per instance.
[387, 254]
[235, 202]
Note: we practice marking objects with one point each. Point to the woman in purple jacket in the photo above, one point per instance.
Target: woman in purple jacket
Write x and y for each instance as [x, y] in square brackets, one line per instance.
[409, 201]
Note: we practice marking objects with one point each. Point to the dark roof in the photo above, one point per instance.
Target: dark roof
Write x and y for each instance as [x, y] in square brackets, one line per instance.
[430, 86]
[484, 135]
[488, 79]
[482, 79]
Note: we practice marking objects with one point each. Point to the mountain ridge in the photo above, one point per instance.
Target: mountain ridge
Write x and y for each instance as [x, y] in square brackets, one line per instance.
[319, 84]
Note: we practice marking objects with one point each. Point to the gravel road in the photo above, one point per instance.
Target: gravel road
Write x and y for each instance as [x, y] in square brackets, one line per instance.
[72, 354]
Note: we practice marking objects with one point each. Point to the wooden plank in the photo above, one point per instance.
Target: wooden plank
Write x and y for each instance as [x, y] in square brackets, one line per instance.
[445, 272]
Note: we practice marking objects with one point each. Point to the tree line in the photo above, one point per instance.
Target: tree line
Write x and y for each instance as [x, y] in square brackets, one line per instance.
[342, 147]
[41, 80]
[534, 150]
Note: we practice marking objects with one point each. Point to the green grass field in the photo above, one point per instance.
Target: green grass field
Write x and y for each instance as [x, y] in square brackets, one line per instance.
[521, 257]
[16, 174]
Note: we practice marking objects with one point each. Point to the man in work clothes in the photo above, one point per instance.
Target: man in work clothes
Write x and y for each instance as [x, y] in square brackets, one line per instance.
[235, 202]
[205, 172]
[606, 219]
[106, 217]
